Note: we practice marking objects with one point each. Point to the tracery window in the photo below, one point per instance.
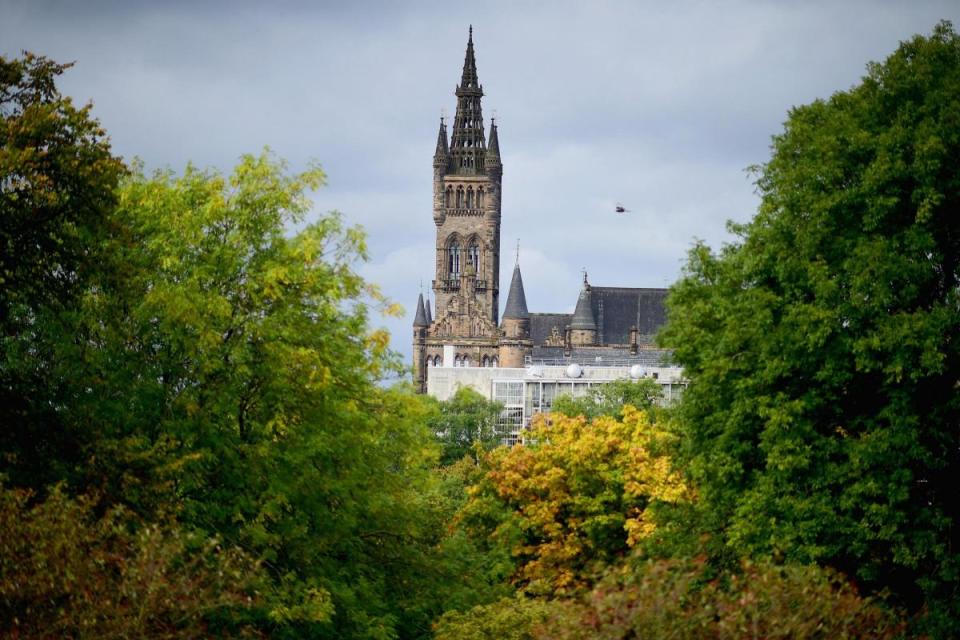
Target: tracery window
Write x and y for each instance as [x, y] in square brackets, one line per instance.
[453, 254]
[480, 198]
[469, 197]
[448, 196]
[459, 197]
[473, 254]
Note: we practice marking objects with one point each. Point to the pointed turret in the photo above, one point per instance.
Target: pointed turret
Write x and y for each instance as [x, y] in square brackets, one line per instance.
[583, 326]
[515, 345]
[420, 347]
[420, 320]
[493, 148]
[467, 145]
[516, 300]
[429, 315]
[442, 154]
[583, 315]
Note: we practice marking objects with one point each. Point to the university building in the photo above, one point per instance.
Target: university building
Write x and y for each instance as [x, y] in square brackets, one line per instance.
[521, 359]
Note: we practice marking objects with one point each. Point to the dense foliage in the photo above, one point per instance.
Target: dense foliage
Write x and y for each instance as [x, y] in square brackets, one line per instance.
[67, 573]
[58, 182]
[679, 599]
[463, 422]
[210, 367]
[610, 399]
[575, 499]
[823, 348]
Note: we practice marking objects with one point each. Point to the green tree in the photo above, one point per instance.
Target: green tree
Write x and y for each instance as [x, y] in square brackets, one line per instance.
[463, 422]
[233, 378]
[610, 399]
[57, 191]
[823, 347]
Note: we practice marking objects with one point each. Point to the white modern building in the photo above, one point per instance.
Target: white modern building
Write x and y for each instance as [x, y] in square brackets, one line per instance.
[529, 390]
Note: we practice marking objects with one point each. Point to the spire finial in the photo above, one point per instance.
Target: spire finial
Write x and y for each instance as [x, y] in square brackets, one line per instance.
[471, 33]
[584, 270]
[517, 259]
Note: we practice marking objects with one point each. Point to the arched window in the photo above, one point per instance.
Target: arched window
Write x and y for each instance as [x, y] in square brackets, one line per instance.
[480, 198]
[494, 362]
[456, 361]
[469, 197]
[486, 361]
[473, 254]
[448, 197]
[465, 362]
[459, 197]
[453, 253]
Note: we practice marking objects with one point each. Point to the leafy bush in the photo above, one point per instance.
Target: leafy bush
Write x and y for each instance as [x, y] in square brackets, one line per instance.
[518, 618]
[65, 572]
[670, 599]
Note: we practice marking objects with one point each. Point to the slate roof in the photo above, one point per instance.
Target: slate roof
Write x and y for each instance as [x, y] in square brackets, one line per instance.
[542, 323]
[615, 310]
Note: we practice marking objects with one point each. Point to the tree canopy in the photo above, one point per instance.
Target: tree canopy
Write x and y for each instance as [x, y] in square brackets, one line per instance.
[822, 347]
[575, 499]
[610, 399]
[464, 422]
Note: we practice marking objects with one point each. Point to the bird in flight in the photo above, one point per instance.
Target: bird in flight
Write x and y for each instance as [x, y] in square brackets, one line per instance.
[620, 209]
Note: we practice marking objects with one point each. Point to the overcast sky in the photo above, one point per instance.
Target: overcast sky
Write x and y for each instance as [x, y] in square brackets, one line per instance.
[659, 106]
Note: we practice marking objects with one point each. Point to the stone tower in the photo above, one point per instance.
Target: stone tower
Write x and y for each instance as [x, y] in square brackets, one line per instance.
[466, 201]
[467, 176]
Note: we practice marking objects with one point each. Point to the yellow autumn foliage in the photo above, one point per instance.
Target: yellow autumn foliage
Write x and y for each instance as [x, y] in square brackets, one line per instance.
[578, 496]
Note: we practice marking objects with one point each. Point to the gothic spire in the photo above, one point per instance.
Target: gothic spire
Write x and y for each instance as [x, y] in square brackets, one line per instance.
[516, 300]
[469, 81]
[429, 315]
[583, 314]
[420, 320]
[467, 145]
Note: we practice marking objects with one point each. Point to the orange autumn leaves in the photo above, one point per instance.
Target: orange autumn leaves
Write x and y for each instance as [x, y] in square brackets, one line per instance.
[575, 499]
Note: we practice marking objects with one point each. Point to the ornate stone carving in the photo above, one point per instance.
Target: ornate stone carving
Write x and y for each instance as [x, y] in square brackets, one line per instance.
[555, 339]
[463, 318]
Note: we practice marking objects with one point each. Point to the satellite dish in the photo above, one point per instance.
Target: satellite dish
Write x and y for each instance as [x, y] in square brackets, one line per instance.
[637, 372]
[574, 371]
